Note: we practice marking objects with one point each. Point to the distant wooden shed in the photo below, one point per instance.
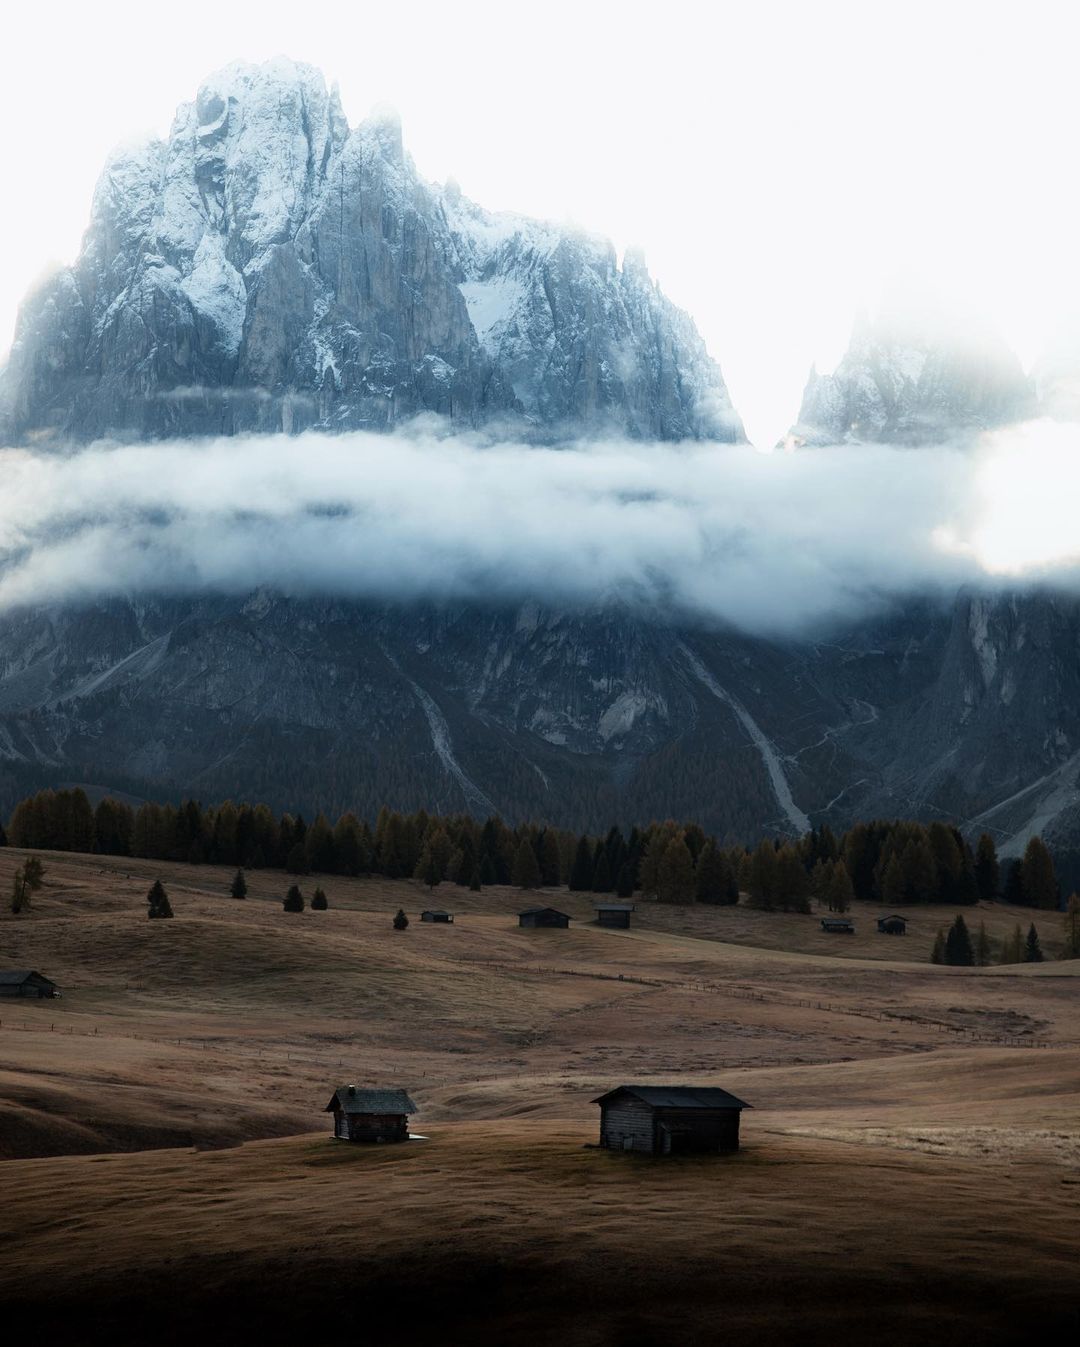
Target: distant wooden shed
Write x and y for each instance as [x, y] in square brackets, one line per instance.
[370, 1114]
[670, 1119]
[543, 916]
[838, 925]
[894, 925]
[438, 915]
[613, 914]
[26, 983]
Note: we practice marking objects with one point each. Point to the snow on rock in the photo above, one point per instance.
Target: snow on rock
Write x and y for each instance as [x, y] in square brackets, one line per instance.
[300, 274]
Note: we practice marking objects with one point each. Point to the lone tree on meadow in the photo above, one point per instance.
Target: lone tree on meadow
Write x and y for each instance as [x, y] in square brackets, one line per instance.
[294, 900]
[318, 901]
[401, 921]
[27, 881]
[1032, 949]
[937, 954]
[238, 887]
[958, 951]
[157, 901]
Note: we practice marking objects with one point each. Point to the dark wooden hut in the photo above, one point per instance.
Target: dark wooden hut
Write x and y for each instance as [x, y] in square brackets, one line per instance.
[669, 1119]
[543, 916]
[893, 925]
[838, 925]
[370, 1115]
[438, 915]
[26, 983]
[613, 914]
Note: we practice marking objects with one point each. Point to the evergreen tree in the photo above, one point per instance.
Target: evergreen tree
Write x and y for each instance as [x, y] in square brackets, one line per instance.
[157, 901]
[982, 946]
[3, 835]
[1012, 948]
[1013, 892]
[893, 887]
[294, 900]
[582, 872]
[20, 893]
[487, 871]
[764, 876]
[676, 878]
[987, 870]
[1072, 929]
[958, 951]
[33, 873]
[474, 882]
[712, 877]
[1032, 949]
[1040, 881]
[318, 901]
[792, 881]
[624, 885]
[526, 873]
[937, 954]
[296, 863]
[601, 880]
[550, 861]
[238, 887]
[427, 869]
[319, 845]
[401, 921]
[841, 890]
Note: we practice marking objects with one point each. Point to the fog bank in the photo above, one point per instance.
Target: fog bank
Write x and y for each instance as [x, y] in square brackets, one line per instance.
[776, 544]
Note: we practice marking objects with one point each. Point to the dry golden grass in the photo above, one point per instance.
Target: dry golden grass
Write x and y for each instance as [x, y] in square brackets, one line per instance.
[901, 1181]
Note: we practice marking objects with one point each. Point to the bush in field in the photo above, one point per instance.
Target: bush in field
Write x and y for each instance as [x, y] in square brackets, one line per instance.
[294, 900]
[318, 901]
[157, 901]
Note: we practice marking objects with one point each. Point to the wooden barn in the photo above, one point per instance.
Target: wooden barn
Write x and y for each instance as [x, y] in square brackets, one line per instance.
[26, 983]
[893, 925]
[543, 916]
[438, 915]
[613, 914]
[370, 1115]
[669, 1119]
[838, 925]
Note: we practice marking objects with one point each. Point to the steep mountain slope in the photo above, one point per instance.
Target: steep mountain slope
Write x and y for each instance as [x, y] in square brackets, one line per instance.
[268, 269]
[912, 379]
[580, 718]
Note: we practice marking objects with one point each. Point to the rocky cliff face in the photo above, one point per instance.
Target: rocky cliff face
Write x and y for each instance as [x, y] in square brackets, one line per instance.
[268, 269]
[908, 380]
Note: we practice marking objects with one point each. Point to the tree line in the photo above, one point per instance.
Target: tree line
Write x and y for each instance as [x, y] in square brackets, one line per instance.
[894, 862]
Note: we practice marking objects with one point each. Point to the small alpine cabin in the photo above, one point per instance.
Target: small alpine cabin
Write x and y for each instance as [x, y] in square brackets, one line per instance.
[613, 914]
[438, 915]
[670, 1119]
[543, 916]
[26, 983]
[370, 1115]
[893, 925]
[838, 925]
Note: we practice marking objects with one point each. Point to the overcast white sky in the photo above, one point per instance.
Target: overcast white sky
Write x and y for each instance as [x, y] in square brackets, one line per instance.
[778, 162]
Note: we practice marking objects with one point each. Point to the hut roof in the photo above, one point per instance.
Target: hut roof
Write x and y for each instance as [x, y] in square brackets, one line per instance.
[356, 1099]
[15, 977]
[530, 910]
[613, 907]
[893, 916]
[434, 912]
[678, 1096]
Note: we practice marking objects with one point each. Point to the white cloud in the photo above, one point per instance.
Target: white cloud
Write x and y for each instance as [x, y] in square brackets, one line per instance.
[781, 543]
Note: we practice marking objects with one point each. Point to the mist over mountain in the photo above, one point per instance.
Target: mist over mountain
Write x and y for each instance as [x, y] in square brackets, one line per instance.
[912, 376]
[430, 607]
